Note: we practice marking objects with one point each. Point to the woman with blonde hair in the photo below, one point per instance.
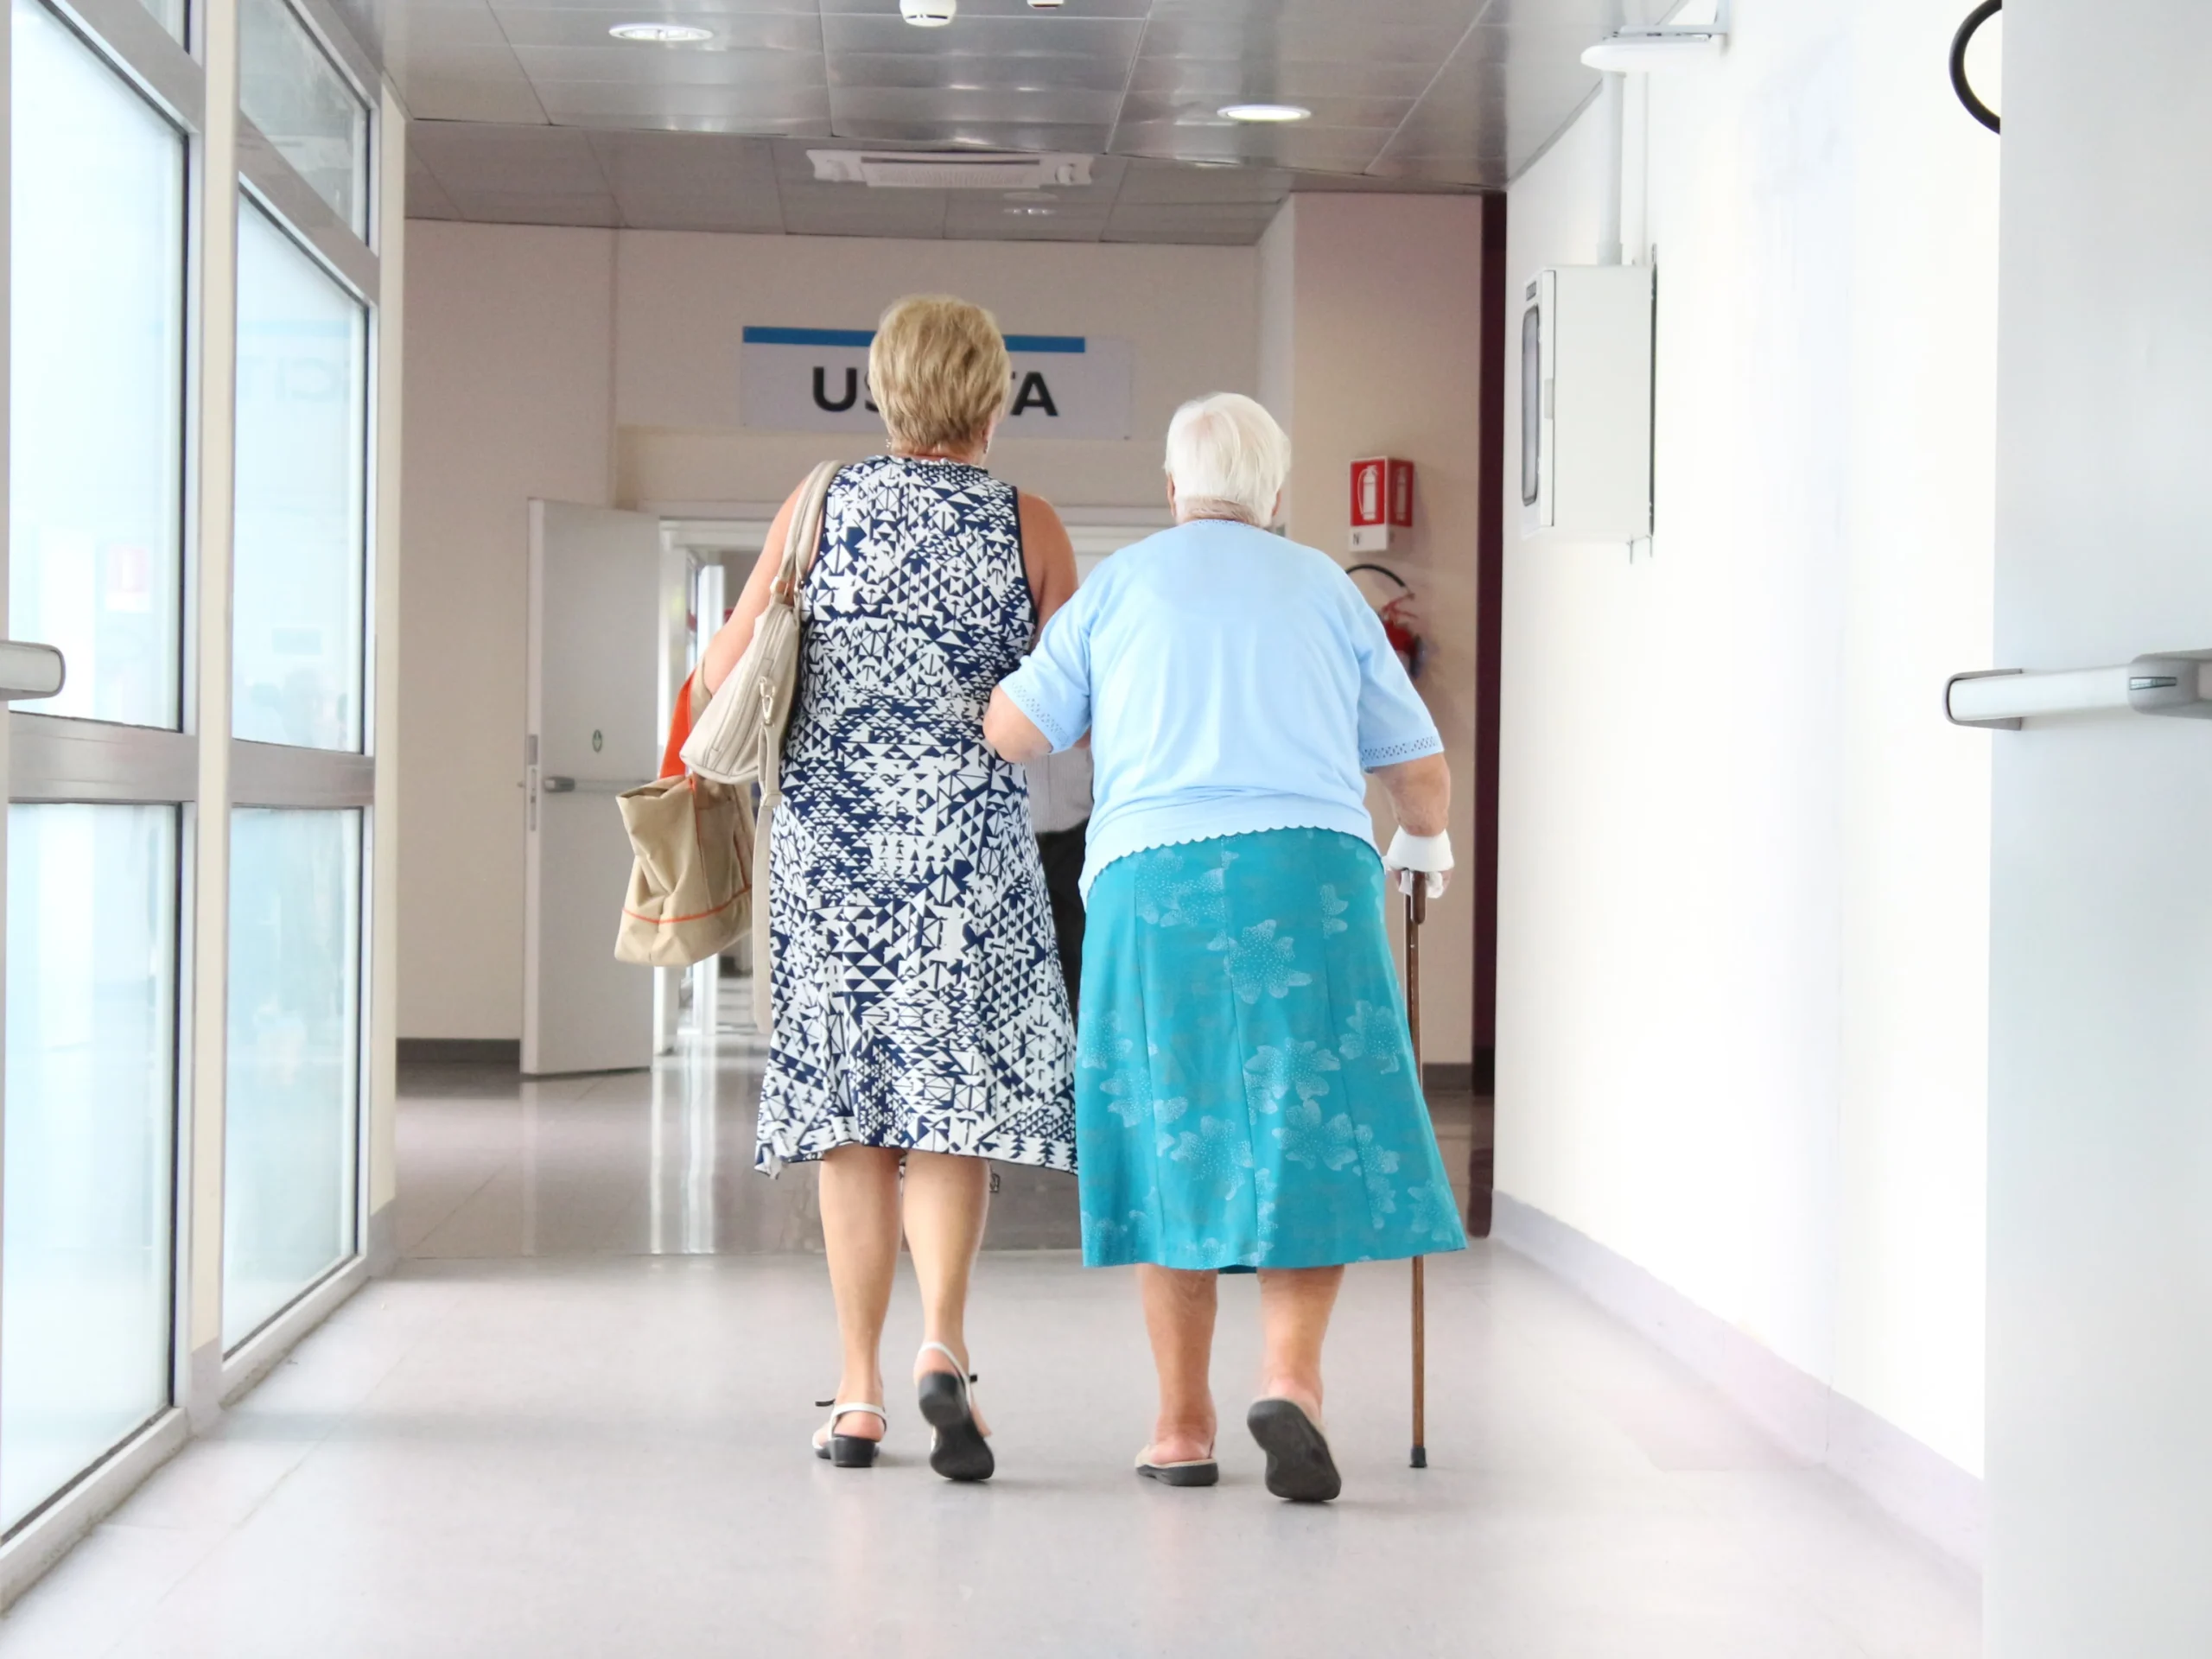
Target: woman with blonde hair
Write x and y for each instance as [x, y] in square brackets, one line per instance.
[1245, 1096]
[921, 1019]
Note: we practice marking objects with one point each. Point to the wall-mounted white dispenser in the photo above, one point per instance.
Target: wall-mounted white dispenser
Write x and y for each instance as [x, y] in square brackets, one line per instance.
[1585, 404]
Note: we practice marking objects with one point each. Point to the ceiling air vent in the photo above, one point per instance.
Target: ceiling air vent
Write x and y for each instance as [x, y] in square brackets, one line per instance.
[957, 169]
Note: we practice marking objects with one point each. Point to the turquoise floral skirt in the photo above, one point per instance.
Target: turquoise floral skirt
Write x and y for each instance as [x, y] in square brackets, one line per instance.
[1245, 1090]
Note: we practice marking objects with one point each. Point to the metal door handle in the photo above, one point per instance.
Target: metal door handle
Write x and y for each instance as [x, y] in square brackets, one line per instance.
[556, 785]
[2177, 684]
[30, 672]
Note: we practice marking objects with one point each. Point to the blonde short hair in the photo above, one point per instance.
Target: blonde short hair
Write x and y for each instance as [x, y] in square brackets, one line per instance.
[939, 371]
[1229, 458]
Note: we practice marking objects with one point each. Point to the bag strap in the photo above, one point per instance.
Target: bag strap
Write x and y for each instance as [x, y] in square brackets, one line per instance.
[801, 540]
[804, 535]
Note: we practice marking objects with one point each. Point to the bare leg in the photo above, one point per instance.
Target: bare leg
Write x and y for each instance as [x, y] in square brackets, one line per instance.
[1178, 1314]
[948, 1200]
[1294, 1307]
[860, 1232]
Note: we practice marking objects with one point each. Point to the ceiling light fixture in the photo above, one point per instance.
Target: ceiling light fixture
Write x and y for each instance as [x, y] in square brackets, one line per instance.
[1264, 112]
[1046, 5]
[661, 34]
[1033, 213]
[928, 14]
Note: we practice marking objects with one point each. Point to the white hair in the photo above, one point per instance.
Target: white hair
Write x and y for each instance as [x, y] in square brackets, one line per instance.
[1228, 458]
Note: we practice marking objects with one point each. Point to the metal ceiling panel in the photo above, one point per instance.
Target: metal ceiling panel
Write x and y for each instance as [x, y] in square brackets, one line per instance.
[1162, 181]
[1226, 80]
[1344, 150]
[1406, 94]
[922, 217]
[975, 11]
[967, 71]
[1596, 17]
[539, 207]
[694, 109]
[468, 159]
[691, 182]
[1438, 13]
[1344, 37]
[761, 71]
[1146, 108]
[992, 38]
[918, 107]
[792, 33]
[434, 97]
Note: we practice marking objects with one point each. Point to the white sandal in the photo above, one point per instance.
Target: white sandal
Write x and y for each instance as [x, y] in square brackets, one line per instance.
[848, 1451]
[957, 1448]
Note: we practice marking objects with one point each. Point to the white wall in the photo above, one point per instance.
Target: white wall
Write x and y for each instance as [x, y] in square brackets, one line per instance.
[601, 367]
[1370, 332]
[2100, 1143]
[1744, 909]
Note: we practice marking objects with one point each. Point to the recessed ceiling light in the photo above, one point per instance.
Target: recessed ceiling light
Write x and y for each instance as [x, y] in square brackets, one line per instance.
[661, 34]
[1046, 5]
[928, 14]
[1033, 213]
[1263, 112]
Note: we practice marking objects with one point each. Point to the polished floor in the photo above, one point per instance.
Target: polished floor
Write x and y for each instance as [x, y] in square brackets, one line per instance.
[573, 1423]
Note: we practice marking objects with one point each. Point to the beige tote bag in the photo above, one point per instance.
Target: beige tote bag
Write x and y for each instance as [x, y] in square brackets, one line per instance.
[691, 842]
[740, 738]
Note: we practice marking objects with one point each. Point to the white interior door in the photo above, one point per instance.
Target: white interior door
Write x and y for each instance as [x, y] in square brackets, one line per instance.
[2100, 992]
[594, 699]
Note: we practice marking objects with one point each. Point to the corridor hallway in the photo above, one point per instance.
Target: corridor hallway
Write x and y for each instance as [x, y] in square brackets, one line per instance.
[575, 1423]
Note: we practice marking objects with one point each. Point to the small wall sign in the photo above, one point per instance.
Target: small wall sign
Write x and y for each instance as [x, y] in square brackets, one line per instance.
[816, 380]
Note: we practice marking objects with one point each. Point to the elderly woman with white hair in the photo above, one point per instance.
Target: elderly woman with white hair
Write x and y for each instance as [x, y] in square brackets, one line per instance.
[1246, 1096]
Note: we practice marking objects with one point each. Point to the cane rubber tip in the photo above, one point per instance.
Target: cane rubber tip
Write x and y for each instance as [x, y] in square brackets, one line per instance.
[1420, 1456]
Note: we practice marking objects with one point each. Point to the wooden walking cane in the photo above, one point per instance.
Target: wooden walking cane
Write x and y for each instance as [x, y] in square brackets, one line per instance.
[1417, 913]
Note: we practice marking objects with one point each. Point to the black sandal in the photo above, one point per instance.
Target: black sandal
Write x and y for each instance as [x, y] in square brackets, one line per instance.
[847, 1451]
[1191, 1471]
[1299, 1467]
[957, 1448]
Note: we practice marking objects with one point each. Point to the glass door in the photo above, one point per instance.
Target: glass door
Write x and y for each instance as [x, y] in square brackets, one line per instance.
[99, 776]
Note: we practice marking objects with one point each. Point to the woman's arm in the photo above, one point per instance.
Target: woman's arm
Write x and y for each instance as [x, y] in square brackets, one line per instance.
[1048, 558]
[1420, 793]
[1011, 734]
[731, 639]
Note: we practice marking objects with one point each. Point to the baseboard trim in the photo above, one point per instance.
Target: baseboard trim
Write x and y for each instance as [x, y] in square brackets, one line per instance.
[56, 1529]
[461, 1051]
[1918, 1487]
[262, 1352]
[383, 1240]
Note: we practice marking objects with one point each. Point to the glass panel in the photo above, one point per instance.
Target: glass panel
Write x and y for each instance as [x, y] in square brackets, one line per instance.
[292, 1102]
[84, 1307]
[303, 456]
[96, 378]
[289, 87]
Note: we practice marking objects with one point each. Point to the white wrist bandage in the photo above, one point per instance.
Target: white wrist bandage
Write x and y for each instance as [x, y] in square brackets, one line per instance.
[1431, 855]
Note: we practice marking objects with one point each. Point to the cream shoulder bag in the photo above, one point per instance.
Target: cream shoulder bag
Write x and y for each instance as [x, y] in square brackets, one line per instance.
[740, 737]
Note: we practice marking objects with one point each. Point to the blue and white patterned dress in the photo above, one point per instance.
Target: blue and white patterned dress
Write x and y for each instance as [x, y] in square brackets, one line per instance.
[918, 995]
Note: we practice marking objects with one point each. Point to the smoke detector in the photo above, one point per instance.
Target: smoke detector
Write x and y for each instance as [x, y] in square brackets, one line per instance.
[929, 14]
[947, 170]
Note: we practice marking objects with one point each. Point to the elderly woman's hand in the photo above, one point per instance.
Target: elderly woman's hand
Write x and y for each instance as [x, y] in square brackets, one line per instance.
[1421, 795]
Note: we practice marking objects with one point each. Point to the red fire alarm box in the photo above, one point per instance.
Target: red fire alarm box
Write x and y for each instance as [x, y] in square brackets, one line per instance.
[1382, 503]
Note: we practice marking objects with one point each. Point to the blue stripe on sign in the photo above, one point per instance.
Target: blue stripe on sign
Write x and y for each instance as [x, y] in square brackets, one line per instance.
[1066, 344]
[809, 336]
